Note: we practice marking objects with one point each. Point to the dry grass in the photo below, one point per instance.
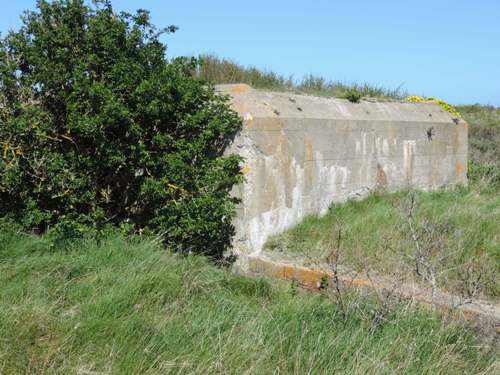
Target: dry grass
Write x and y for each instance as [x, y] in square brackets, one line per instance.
[218, 70]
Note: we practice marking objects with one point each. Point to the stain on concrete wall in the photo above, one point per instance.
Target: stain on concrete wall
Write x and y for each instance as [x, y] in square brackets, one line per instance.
[302, 153]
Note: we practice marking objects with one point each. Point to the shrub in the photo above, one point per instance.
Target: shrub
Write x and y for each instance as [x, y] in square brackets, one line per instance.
[353, 95]
[98, 128]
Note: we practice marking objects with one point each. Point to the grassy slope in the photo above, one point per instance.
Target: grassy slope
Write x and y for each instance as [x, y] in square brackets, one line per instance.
[374, 232]
[126, 307]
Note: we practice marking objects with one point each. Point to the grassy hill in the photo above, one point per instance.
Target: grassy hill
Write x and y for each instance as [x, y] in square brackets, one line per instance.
[125, 306]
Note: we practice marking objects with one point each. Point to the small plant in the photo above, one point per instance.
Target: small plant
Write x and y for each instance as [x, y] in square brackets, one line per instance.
[324, 282]
[333, 261]
[353, 95]
[294, 287]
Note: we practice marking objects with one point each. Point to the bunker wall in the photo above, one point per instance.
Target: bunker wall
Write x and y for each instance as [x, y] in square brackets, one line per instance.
[302, 153]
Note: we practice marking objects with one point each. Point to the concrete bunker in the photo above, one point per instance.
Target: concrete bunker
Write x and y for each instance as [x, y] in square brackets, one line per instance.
[302, 153]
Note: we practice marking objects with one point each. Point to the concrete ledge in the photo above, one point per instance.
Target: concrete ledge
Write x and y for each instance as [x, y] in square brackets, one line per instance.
[312, 279]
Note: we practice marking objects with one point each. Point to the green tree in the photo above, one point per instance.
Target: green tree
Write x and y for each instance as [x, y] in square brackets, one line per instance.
[99, 128]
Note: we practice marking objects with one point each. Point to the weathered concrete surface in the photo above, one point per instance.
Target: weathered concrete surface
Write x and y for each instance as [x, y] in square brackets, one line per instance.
[303, 153]
[313, 278]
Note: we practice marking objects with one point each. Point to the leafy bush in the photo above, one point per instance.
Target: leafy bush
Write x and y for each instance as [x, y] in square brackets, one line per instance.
[353, 95]
[98, 128]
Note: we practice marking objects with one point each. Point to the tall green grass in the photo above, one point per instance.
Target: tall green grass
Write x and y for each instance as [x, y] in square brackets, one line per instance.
[484, 144]
[125, 306]
[375, 234]
[220, 70]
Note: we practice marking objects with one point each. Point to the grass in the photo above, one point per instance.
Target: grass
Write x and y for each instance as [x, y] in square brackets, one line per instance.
[125, 306]
[219, 70]
[375, 234]
[484, 143]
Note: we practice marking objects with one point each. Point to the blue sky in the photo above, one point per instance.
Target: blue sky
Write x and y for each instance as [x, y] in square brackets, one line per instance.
[444, 48]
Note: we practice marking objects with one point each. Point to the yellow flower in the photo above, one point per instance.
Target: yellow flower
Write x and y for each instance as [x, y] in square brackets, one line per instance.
[431, 99]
